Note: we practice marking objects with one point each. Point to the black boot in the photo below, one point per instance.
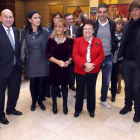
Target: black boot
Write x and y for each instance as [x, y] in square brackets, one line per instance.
[41, 105]
[54, 91]
[54, 109]
[33, 106]
[65, 96]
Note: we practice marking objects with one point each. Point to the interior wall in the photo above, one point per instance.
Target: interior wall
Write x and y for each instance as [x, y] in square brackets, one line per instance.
[108, 1]
[20, 14]
[42, 6]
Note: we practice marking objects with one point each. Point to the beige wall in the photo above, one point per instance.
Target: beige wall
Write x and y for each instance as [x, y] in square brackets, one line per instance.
[20, 14]
[42, 6]
[125, 1]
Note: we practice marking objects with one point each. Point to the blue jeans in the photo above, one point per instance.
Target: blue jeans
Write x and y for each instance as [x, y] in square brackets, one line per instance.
[131, 74]
[106, 77]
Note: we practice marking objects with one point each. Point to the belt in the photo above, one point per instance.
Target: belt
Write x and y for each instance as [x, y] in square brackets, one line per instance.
[107, 56]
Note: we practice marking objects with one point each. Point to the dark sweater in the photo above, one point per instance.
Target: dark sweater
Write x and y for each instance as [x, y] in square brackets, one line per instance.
[130, 43]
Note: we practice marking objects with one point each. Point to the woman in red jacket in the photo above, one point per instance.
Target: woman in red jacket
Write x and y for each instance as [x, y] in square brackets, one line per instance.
[88, 56]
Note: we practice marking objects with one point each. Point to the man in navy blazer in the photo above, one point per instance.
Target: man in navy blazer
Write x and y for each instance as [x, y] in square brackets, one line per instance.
[10, 71]
[72, 32]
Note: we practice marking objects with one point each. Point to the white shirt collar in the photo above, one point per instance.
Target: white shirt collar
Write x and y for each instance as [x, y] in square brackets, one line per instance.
[89, 40]
[6, 28]
[103, 24]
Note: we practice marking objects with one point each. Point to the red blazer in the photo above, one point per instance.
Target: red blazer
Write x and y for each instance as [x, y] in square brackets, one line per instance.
[80, 51]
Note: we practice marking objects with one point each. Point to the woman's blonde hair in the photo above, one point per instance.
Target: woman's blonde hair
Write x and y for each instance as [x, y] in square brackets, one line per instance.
[64, 23]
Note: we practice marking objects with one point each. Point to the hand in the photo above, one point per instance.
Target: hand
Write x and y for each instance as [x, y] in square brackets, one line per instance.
[60, 63]
[66, 64]
[73, 36]
[89, 66]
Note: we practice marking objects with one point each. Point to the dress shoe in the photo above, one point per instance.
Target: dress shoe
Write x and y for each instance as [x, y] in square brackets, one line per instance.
[76, 114]
[113, 98]
[33, 107]
[54, 109]
[125, 110]
[65, 109]
[3, 120]
[14, 112]
[41, 106]
[91, 114]
[73, 88]
[136, 117]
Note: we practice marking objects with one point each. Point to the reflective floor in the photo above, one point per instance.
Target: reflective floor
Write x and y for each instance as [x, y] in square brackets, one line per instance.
[107, 124]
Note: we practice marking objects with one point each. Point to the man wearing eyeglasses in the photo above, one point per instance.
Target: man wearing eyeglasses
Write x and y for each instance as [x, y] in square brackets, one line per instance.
[130, 50]
[10, 72]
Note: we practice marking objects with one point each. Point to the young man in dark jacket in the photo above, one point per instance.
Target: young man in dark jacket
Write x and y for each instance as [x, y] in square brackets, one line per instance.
[105, 30]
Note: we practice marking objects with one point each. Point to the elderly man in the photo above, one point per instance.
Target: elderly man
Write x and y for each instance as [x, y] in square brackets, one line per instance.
[130, 50]
[10, 72]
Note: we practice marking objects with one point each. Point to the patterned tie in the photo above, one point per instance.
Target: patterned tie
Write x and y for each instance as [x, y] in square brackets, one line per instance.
[69, 31]
[13, 44]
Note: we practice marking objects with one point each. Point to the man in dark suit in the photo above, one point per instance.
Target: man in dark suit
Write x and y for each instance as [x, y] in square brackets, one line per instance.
[72, 32]
[10, 72]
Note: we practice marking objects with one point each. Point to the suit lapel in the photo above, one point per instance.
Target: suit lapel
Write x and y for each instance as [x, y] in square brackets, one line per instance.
[5, 37]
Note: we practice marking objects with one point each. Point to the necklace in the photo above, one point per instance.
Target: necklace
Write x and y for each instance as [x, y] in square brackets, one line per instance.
[59, 41]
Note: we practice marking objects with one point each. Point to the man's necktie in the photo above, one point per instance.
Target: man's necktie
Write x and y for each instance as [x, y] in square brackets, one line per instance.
[69, 31]
[13, 44]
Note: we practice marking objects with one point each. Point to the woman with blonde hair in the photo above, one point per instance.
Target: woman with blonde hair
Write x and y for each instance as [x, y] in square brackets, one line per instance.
[59, 53]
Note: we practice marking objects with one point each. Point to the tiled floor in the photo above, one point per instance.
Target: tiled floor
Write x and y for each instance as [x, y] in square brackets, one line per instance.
[107, 124]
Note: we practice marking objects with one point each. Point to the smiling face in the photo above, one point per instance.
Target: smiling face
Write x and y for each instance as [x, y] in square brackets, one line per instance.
[88, 31]
[69, 20]
[102, 14]
[35, 20]
[7, 18]
[56, 18]
[59, 29]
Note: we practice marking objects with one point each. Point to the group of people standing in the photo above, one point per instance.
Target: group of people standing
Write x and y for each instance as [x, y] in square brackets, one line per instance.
[59, 53]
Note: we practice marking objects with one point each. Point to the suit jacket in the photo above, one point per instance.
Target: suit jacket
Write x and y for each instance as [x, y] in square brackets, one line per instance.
[74, 30]
[80, 31]
[80, 51]
[7, 53]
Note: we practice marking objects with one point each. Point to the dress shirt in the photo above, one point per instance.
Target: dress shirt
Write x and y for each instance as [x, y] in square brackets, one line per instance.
[88, 50]
[70, 27]
[11, 32]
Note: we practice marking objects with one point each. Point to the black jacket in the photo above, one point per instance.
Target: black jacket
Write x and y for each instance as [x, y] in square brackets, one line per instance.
[112, 30]
[7, 53]
[137, 46]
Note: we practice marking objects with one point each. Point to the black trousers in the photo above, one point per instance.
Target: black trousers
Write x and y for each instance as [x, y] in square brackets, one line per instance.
[114, 78]
[90, 80]
[131, 74]
[72, 76]
[13, 88]
[36, 88]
